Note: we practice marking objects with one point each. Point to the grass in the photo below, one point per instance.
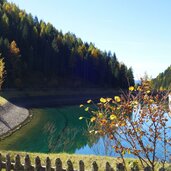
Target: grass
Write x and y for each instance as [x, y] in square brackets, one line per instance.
[2, 101]
[88, 159]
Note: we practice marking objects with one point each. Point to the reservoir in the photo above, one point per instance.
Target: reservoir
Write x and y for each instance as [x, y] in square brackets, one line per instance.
[58, 130]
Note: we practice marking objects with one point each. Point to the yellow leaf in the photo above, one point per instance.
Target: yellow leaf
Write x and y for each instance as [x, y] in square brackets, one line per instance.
[91, 131]
[123, 124]
[86, 109]
[81, 105]
[93, 119]
[102, 100]
[151, 101]
[139, 88]
[148, 91]
[131, 88]
[96, 132]
[117, 98]
[135, 102]
[103, 121]
[100, 115]
[129, 151]
[123, 152]
[80, 118]
[109, 99]
[89, 101]
[112, 117]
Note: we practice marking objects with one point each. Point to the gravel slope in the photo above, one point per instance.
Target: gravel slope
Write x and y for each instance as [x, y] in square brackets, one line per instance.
[11, 116]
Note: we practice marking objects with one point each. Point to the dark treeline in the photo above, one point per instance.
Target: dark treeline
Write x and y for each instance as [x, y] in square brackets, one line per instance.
[38, 55]
[163, 80]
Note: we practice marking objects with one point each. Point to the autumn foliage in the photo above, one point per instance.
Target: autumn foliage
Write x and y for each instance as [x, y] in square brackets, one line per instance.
[2, 71]
[136, 123]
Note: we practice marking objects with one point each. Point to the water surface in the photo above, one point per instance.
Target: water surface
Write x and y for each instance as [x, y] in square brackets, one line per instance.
[59, 130]
[50, 130]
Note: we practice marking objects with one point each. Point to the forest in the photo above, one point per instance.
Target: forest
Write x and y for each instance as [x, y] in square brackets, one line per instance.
[163, 80]
[36, 54]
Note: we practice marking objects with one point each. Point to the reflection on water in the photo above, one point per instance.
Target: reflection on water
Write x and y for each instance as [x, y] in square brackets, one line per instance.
[51, 130]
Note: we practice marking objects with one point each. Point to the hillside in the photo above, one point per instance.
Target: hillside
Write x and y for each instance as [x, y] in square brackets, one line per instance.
[36, 54]
[163, 80]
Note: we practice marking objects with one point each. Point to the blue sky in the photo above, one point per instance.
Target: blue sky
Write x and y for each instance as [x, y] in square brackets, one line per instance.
[138, 31]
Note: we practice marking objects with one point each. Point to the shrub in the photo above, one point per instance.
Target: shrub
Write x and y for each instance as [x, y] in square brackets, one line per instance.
[138, 117]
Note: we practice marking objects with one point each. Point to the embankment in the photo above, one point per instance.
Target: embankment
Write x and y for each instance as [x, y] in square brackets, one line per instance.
[11, 117]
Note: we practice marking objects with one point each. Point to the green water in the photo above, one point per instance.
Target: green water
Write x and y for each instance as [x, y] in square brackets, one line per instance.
[50, 130]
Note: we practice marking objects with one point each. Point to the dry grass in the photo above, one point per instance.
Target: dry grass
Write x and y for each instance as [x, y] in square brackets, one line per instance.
[88, 159]
[2, 101]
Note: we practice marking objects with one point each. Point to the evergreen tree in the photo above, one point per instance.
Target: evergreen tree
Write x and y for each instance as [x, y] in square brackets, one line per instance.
[163, 80]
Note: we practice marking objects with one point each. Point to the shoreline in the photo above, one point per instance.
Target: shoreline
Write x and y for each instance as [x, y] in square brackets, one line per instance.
[16, 111]
[72, 98]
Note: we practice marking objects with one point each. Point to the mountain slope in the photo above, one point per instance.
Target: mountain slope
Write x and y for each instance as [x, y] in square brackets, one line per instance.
[38, 55]
[163, 80]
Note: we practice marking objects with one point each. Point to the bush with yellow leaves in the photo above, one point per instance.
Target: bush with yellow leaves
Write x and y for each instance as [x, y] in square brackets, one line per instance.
[136, 123]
